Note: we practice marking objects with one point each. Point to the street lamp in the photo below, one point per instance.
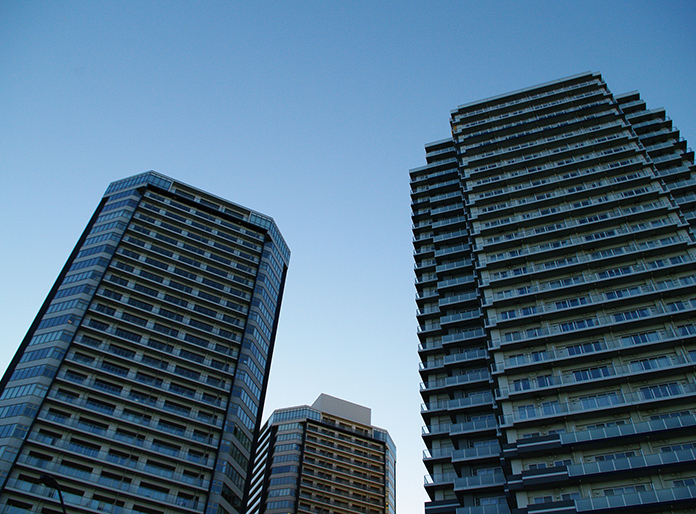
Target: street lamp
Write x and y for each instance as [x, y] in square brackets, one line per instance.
[51, 482]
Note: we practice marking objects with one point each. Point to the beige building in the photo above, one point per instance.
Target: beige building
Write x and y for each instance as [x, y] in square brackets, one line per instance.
[326, 458]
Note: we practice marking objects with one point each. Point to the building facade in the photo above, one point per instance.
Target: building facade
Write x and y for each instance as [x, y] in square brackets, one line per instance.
[554, 259]
[326, 458]
[140, 385]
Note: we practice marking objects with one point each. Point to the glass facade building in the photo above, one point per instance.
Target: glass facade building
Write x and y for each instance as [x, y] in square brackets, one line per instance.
[556, 304]
[324, 458]
[140, 385]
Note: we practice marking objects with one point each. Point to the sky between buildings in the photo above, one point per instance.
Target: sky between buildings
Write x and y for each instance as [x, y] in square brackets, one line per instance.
[310, 112]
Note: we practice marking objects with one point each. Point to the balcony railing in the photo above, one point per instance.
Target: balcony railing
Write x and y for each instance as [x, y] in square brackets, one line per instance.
[479, 482]
[475, 376]
[655, 460]
[458, 403]
[666, 497]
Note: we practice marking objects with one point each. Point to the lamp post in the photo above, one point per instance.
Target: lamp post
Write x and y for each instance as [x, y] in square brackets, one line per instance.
[51, 482]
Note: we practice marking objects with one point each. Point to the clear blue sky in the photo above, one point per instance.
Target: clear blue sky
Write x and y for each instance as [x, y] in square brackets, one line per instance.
[310, 112]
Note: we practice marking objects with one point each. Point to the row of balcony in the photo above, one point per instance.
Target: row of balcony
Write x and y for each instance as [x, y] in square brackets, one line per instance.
[598, 169]
[597, 403]
[543, 143]
[647, 285]
[599, 345]
[560, 209]
[556, 91]
[563, 158]
[536, 131]
[123, 393]
[530, 109]
[640, 293]
[650, 314]
[619, 229]
[596, 374]
[91, 477]
[71, 500]
[631, 271]
[162, 366]
[137, 419]
[569, 241]
[148, 469]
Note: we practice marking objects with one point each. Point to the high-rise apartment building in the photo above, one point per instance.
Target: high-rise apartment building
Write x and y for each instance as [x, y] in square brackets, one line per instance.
[140, 385]
[326, 458]
[556, 293]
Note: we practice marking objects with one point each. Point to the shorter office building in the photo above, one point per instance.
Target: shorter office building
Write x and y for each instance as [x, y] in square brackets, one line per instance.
[324, 458]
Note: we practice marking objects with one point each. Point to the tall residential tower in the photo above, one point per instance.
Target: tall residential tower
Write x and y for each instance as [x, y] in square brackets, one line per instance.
[324, 458]
[556, 292]
[140, 385]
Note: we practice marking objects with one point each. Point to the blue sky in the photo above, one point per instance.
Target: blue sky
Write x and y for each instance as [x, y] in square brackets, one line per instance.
[310, 112]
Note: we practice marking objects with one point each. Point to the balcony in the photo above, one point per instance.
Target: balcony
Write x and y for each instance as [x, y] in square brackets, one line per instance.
[466, 335]
[499, 508]
[471, 454]
[469, 427]
[460, 316]
[479, 482]
[450, 250]
[440, 479]
[477, 400]
[459, 298]
[457, 380]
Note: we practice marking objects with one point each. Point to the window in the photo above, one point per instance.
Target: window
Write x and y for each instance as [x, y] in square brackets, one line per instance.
[572, 302]
[592, 373]
[650, 363]
[579, 349]
[577, 325]
[599, 400]
[661, 391]
[526, 411]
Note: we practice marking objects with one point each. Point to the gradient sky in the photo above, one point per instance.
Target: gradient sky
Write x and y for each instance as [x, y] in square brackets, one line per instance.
[310, 112]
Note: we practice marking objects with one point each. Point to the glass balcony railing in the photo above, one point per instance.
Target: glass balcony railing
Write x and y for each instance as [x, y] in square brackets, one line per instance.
[458, 403]
[468, 378]
[479, 482]
[666, 497]
[655, 460]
